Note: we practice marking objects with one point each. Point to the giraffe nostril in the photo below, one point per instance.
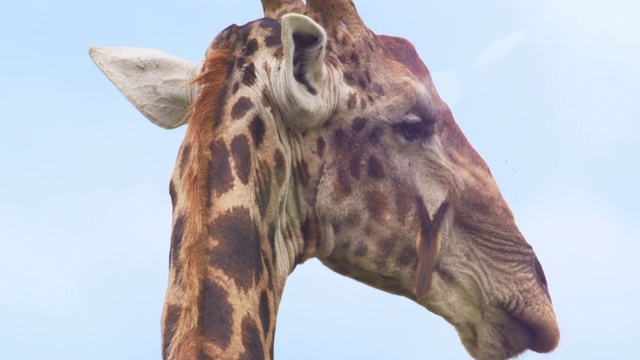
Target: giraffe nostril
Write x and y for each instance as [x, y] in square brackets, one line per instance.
[541, 276]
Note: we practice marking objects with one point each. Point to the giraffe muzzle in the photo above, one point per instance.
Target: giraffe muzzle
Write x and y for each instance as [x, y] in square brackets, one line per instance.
[428, 246]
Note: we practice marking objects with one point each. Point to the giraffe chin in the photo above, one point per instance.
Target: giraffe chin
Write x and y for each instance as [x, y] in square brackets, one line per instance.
[506, 338]
[496, 330]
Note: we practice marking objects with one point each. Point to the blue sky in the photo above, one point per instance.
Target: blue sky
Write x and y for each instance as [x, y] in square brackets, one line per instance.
[546, 91]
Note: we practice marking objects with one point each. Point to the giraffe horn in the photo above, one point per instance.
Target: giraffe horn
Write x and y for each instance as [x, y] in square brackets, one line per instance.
[334, 13]
[276, 8]
[428, 246]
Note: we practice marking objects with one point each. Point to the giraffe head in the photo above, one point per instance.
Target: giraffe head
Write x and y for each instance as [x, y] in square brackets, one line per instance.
[347, 153]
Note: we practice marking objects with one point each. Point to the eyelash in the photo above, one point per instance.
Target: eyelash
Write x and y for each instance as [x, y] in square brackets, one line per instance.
[415, 130]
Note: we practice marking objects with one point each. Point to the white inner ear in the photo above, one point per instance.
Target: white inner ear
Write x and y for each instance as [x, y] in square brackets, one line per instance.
[305, 90]
[156, 83]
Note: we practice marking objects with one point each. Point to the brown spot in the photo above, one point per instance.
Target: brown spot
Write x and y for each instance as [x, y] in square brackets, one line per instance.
[358, 123]
[403, 199]
[374, 168]
[339, 137]
[241, 107]
[235, 88]
[363, 103]
[216, 314]
[238, 250]
[362, 82]
[241, 155]
[184, 158]
[406, 255]
[257, 130]
[265, 312]
[351, 102]
[272, 40]
[173, 194]
[354, 164]
[240, 62]
[220, 176]
[387, 246]
[252, 46]
[349, 78]
[361, 249]
[377, 205]
[320, 144]
[279, 169]
[264, 183]
[377, 88]
[249, 76]
[176, 243]
[355, 59]
[251, 340]
[170, 322]
[272, 241]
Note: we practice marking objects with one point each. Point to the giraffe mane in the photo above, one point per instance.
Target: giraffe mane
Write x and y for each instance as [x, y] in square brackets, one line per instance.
[196, 157]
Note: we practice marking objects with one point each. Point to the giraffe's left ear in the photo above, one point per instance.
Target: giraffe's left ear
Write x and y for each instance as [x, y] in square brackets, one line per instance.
[306, 91]
[159, 85]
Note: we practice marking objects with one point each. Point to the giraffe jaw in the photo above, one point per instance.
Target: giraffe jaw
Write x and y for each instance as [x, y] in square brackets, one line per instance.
[494, 331]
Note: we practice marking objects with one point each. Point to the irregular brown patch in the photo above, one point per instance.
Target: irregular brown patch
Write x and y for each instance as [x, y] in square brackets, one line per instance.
[241, 155]
[374, 168]
[265, 312]
[235, 88]
[185, 152]
[354, 164]
[279, 169]
[358, 123]
[238, 251]
[339, 137]
[354, 58]
[241, 107]
[263, 191]
[220, 177]
[361, 249]
[173, 194]
[378, 89]
[249, 75]
[215, 315]
[377, 204]
[351, 102]
[176, 243]
[252, 46]
[257, 130]
[350, 79]
[320, 145]
[170, 322]
[251, 340]
[406, 255]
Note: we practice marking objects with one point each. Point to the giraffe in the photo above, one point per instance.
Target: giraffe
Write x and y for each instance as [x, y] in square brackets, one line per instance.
[309, 136]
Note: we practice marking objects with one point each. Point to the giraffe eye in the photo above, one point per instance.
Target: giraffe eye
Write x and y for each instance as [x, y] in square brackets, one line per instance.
[414, 128]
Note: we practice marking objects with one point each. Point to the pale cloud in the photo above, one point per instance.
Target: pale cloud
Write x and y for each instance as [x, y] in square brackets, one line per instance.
[601, 18]
[500, 48]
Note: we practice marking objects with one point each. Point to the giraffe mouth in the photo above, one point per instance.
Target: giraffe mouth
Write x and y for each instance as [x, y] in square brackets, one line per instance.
[428, 246]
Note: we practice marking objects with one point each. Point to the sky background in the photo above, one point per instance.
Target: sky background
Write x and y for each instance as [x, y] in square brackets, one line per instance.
[546, 91]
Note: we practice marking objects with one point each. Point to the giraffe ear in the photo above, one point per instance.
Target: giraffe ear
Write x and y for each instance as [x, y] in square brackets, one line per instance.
[159, 85]
[306, 91]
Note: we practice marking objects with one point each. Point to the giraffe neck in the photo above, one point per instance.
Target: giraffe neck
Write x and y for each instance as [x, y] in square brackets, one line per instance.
[240, 222]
